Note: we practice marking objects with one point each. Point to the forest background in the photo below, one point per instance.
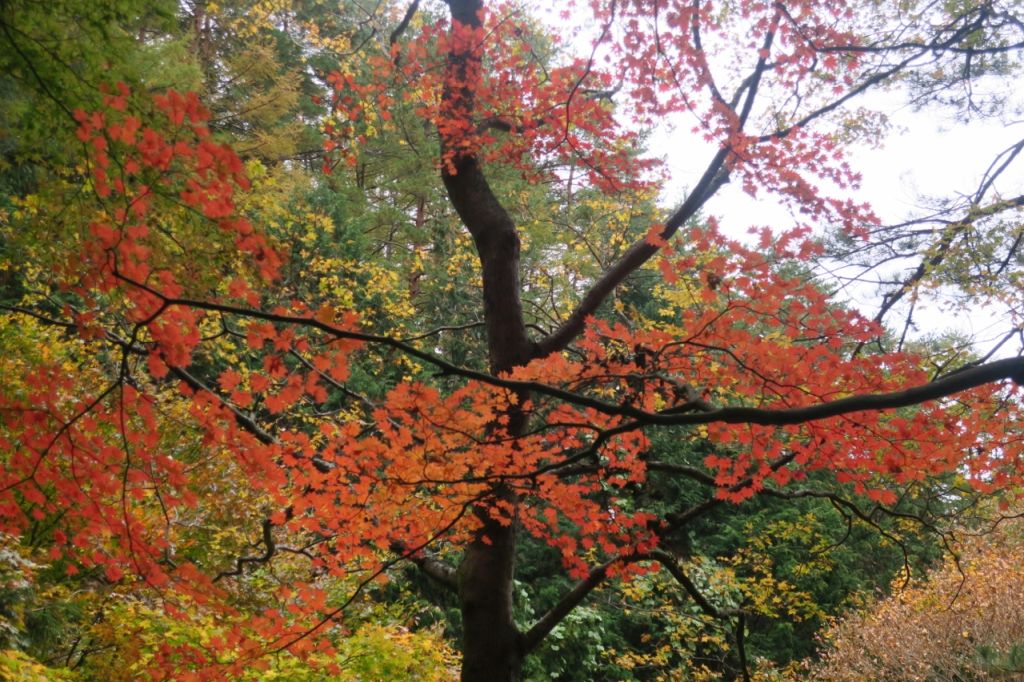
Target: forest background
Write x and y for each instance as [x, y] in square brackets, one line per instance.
[370, 340]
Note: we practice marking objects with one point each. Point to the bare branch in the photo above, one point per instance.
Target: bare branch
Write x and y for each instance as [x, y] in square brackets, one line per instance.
[940, 252]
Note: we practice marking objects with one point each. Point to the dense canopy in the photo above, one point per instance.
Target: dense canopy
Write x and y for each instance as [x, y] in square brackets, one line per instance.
[367, 340]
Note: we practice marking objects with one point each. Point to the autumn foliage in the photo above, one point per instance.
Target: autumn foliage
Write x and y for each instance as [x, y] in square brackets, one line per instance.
[197, 390]
[963, 621]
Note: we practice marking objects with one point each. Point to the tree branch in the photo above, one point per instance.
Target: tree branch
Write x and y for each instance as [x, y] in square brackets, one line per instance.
[404, 24]
[950, 384]
[437, 570]
[635, 256]
[941, 249]
[671, 564]
[536, 634]
[271, 549]
[715, 175]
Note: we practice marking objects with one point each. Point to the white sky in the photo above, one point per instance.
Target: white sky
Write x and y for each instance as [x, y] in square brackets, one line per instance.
[925, 155]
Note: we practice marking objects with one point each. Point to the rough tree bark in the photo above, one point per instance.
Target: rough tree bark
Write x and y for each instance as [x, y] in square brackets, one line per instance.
[492, 645]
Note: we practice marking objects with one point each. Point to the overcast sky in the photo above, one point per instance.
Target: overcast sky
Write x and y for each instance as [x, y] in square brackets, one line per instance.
[925, 155]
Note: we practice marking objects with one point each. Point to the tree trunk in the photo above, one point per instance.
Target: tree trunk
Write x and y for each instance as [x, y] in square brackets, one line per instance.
[491, 644]
[493, 648]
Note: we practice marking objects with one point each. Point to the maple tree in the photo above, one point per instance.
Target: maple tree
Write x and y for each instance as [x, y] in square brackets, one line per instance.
[212, 370]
